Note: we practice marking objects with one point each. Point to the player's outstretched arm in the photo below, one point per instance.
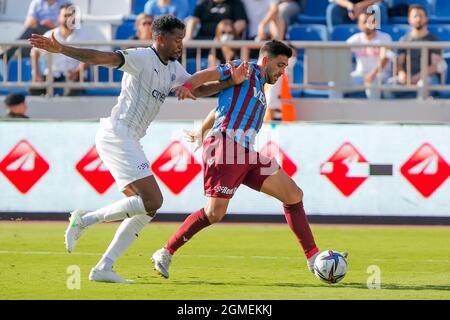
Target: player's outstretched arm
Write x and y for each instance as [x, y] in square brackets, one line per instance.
[194, 87]
[238, 75]
[88, 56]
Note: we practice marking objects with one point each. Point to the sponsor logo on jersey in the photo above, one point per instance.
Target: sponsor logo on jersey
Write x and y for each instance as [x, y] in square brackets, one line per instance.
[158, 95]
[225, 190]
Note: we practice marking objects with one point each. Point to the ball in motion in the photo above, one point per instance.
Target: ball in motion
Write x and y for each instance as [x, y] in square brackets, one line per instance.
[330, 266]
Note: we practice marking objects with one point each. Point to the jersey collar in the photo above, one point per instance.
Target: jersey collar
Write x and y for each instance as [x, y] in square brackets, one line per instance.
[154, 50]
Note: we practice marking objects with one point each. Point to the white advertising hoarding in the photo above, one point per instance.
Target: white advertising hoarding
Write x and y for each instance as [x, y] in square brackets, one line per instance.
[343, 169]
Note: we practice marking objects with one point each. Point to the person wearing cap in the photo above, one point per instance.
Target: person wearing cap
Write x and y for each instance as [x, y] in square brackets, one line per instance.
[16, 106]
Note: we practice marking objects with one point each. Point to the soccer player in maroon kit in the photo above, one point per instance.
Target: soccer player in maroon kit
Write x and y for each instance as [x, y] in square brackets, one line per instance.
[230, 160]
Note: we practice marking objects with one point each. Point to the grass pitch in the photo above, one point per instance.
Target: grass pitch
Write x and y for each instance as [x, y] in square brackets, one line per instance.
[227, 261]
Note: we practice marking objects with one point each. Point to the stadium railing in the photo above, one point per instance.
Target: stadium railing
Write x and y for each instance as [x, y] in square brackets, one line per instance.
[423, 89]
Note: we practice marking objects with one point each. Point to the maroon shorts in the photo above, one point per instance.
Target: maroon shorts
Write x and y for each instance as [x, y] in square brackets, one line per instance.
[228, 164]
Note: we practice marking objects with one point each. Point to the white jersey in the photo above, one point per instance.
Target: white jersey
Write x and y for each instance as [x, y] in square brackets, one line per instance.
[367, 57]
[146, 83]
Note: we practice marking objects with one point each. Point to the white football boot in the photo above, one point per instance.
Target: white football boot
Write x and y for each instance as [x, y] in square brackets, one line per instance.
[310, 261]
[74, 230]
[98, 275]
[161, 260]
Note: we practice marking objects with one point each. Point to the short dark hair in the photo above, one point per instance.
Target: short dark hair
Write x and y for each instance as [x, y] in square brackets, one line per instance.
[276, 48]
[66, 6]
[14, 99]
[167, 24]
[418, 7]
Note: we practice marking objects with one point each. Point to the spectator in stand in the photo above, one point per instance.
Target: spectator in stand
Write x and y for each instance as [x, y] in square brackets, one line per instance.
[42, 16]
[177, 8]
[63, 67]
[143, 28]
[224, 32]
[16, 107]
[287, 9]
[418, 20]
[208, 13]
[347, 11]
[372, 63]
[264, 20]
[264, 23]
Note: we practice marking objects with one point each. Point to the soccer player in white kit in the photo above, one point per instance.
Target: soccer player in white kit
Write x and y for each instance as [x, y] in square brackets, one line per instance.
[149, 76]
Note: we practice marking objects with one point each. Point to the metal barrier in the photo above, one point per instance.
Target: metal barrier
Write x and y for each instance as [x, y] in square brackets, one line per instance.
[423, 88]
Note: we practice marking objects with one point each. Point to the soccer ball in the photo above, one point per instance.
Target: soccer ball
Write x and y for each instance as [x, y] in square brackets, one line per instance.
[330, 266]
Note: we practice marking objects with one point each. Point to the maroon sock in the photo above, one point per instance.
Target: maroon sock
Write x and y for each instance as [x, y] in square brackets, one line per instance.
[193, 224]
[298, 222]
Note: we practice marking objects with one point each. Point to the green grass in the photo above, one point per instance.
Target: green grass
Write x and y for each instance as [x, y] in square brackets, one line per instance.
[227, 261]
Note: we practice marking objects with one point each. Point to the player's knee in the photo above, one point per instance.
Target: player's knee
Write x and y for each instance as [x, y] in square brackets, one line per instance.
[215, 216]
[152, 205]
[295, 195]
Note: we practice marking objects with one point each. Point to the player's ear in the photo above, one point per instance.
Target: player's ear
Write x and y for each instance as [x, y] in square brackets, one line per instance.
[264, 61]
[159, 38]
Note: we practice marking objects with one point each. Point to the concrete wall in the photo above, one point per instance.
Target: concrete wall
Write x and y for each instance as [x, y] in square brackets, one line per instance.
[429, 111]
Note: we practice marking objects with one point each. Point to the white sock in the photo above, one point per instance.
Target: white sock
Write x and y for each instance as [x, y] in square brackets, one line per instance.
[127, 232]
[125, 208]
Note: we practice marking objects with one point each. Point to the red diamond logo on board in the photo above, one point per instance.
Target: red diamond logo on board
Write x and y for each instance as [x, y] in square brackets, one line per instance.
[426, 170]
[176, 167]
[272, 150]
[24, 166]
[91, 168]
[347, 169]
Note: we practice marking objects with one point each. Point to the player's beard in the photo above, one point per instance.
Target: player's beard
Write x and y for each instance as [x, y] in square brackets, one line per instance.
[269, 78]
[174, 57]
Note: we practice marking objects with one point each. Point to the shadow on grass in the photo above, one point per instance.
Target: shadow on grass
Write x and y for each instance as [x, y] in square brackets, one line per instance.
[344, 285]
[356, 285]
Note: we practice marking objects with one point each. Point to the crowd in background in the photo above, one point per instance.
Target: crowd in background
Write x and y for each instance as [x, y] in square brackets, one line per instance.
[258, 20]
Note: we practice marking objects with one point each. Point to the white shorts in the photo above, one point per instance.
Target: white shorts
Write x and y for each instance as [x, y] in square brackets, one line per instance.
[123, 156]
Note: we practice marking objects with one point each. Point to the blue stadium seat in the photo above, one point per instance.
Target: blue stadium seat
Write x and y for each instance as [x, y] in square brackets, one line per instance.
[13, 75]
[396, 31]
[103, 76]
[441, 31]
[441, 12]
[427, 4]
[307, 93]
[311, 32]
[13, 70]
[125, 31]
[192, 5]
[315, 12]
[297, 78]
[343, 31]
[138, 6]
[442, 8]
[191, 65]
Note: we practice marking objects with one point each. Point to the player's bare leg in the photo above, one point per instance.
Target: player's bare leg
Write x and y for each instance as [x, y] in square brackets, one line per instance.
[214, 212]
[284, 188]
[147, 200]
[128, 230]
